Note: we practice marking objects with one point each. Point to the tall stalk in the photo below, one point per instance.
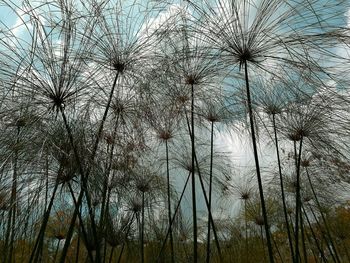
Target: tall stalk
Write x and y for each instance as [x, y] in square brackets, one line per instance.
[81, 221]
[126, 236]
[105, 196]
[47, 179]
[298, 199]
[290, 241]
[320, 250]
[169, 202]
[56, 250]
[257, 166]
[246, 229]
[263, 242]
[194, 206]
[10, 231]
[142, 228]
[84, 176]
[39, 240]
[84, 186]
[322, 216]
[78, 245]
[303, 235]
[210, 187]
[205, 195]
[324, 236]
[111, 255]
[71, 229]
[173, 218]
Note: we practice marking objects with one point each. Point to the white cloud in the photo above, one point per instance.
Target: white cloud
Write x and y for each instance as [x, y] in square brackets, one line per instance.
[22, 23]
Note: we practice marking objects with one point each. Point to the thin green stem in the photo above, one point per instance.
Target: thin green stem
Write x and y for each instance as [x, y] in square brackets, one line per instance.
[10, 232]
[78, 246]
[320, 227]
[246, 229]
[290, 241]
[320, 250]
[71, 229]
[322, 216]
[297, 198]
[142, 228]
[303, 237]
[257, 165]
[205, 196]
[169, 202]
[40, 238]
[173, 218]
[84, 176]
[84, 186]
[111, 255]
[210, 187]
[194, 205]
[56, 251]
[126, 236]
